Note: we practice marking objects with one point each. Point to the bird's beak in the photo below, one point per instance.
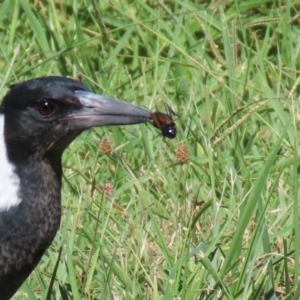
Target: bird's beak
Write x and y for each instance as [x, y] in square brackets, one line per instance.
[98, 110]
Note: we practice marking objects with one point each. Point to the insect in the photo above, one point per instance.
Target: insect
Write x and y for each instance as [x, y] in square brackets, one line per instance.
[165, 122]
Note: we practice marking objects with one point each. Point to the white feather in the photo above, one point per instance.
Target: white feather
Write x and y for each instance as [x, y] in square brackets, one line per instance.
[9, 180]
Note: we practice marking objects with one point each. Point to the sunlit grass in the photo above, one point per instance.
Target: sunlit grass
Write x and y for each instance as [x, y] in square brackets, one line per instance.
[212, 214]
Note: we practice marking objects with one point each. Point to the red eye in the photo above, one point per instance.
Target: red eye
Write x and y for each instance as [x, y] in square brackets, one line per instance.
[45, 108]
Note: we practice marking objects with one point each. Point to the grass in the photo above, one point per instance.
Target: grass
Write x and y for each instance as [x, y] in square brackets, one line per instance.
[212, 214]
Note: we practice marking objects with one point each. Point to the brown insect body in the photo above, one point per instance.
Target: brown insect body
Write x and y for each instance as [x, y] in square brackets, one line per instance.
[165, 122]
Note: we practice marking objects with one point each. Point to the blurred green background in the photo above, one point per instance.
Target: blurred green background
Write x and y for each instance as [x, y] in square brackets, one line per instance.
[212, 214]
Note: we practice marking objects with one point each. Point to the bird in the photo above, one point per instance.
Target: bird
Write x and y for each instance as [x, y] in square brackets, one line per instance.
[39, 118]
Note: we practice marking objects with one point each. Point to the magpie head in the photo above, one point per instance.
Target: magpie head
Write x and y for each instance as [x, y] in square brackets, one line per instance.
[42, 116]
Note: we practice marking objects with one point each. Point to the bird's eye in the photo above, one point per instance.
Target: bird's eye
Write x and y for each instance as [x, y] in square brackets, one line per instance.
[45, 108]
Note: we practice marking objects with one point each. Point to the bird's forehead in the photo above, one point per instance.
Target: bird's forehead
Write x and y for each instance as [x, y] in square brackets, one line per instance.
[51, 81]
[53, 87]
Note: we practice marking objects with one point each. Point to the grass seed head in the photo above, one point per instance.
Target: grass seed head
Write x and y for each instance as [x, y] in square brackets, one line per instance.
[181, 154]
[106, 147]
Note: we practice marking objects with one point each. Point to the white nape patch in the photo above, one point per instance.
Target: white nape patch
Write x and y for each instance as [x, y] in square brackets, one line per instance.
[9, 180]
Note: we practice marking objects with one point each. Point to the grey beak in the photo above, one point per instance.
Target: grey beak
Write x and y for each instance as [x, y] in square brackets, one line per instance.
[98, 110]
